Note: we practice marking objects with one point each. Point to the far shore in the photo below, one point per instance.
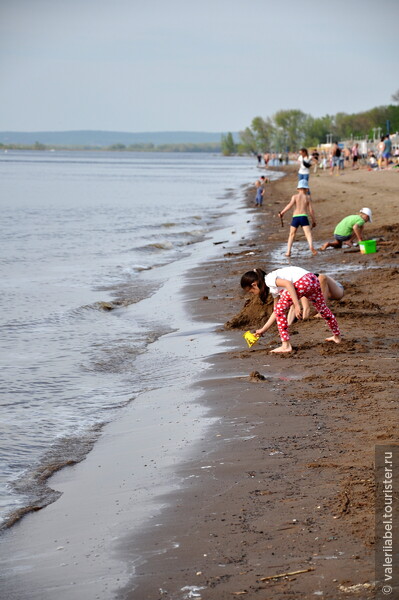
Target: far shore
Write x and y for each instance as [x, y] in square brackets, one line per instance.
[178, 148]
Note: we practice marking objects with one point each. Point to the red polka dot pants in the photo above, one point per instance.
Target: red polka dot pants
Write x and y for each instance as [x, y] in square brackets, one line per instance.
[307, 286]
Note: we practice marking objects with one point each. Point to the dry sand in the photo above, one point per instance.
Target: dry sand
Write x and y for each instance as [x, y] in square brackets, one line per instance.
[284, 483]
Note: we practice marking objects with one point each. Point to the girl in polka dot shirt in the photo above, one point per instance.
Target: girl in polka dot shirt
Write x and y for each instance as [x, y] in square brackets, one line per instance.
[287, 285]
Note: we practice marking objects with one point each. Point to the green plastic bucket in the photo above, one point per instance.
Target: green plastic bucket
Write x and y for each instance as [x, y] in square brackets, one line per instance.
[368, 246]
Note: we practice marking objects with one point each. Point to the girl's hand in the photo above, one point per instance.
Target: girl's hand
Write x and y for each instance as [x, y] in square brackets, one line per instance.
[259, 332]
[298, 311]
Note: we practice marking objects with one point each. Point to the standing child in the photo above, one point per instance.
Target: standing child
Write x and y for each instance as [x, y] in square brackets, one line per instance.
[288, 285]
[259, 193]
[303, 209]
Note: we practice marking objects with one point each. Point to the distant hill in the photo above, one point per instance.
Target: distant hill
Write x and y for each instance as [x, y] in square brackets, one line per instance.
[108, 138]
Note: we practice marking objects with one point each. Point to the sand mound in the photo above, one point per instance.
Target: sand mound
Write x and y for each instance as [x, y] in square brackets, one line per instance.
[254, 314]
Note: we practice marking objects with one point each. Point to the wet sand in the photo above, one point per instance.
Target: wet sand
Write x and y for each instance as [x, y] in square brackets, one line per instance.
[283, 482]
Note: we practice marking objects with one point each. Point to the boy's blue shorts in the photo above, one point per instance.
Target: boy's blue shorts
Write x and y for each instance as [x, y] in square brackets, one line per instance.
[299, 221]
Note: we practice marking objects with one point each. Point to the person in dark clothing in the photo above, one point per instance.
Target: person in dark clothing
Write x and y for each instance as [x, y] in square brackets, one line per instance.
[335, 156]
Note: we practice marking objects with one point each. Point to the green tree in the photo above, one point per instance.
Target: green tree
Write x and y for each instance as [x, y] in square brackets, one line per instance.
[292, 126]
[279, 140]
[316, 130]
[117, 147]
[248, 141]
[228, 145]
[263, 132]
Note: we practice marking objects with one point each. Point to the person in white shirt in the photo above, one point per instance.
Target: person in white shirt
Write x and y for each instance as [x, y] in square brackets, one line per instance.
[287, 286]
[305, 162]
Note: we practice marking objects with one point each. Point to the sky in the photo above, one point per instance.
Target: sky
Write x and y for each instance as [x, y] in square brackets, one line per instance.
[174, 65]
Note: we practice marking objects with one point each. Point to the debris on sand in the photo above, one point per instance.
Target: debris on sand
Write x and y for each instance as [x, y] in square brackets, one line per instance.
[286, 574]
[256, 376]
[353, 589]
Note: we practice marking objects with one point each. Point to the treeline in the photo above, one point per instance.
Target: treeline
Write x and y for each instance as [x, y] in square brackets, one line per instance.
[209, 147]
[288, 130]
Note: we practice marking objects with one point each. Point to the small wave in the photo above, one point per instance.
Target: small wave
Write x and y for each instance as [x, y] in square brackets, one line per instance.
[168, 224]
[120, 357]
[67, 451]
[107, 305]
[178, 236]
[159, 246]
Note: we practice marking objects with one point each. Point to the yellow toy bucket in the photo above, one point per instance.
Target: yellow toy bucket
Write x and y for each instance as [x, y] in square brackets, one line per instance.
[250, 338]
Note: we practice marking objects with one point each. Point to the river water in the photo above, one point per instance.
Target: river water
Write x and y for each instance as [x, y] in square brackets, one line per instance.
[84, 236]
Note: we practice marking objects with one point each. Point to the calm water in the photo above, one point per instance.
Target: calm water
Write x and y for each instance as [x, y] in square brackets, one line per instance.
[81, 232]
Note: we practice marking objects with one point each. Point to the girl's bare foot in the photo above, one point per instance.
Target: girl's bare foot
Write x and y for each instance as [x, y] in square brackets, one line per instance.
[288, 254]
[313, 251]
[284, 348]
[334, 338]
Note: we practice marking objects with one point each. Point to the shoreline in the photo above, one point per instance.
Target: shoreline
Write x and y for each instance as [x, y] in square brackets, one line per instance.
[119, 280]
[68, 543]
[285, 482]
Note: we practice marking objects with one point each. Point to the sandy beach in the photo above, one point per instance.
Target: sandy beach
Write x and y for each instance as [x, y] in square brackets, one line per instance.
[281, 480]
[284, 482]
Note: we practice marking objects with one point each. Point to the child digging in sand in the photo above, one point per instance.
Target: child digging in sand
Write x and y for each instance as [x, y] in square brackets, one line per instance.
[303, 208]
[349, 229]
[288, 285]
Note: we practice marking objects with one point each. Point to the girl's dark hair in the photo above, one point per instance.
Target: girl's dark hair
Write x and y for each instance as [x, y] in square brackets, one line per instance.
[305, 150]
[256, 276]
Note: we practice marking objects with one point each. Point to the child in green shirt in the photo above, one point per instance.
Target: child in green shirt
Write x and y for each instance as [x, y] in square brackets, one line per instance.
[350, 228]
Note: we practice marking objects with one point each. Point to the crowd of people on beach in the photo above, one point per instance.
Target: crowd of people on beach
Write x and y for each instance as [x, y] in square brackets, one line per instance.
[293, 288]
[273, 159]
[340, 156]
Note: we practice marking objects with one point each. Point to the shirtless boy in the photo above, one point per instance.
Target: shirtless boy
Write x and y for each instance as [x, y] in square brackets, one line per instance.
[303, 209]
